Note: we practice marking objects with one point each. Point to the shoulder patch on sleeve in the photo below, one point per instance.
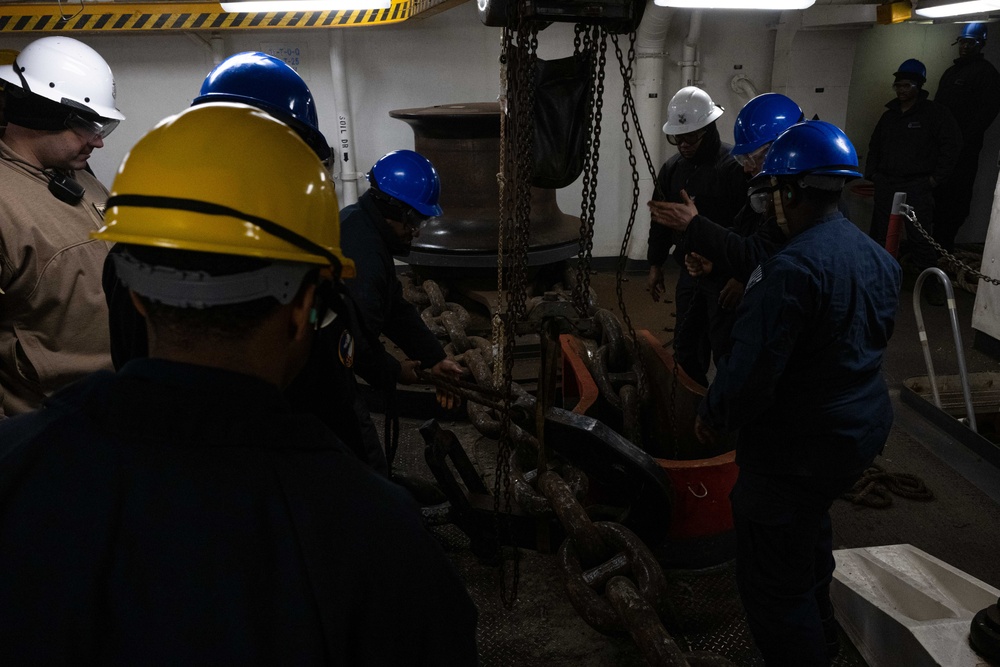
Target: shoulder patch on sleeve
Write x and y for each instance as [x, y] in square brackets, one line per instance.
[755, 277]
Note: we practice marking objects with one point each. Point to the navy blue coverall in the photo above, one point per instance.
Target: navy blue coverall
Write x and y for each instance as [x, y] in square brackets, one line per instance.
[366, 237]
[912, 152]
[176, 514]
[803, 385]
[970, 89]
[718, 185]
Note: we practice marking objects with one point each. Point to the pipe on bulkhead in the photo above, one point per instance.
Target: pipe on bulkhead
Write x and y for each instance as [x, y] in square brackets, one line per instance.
[689, 56]
[788, 26]
[218, 49]
[744, 85]
[215, 45]
[649, 80]
[343, 148]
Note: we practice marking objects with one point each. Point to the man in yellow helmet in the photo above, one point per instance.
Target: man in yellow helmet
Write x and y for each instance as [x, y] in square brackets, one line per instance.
[180, 510]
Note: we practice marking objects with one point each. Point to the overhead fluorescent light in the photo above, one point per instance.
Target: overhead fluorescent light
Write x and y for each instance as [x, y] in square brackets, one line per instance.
[940, 10]
[736, 4]
[263, 6]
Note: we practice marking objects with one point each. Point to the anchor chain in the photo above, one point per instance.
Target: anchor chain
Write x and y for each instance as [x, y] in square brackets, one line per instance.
[615, 583]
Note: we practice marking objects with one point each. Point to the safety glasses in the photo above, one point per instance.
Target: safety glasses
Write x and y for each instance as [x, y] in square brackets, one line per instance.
[91, 129]
[903, 85]
[690, 138]
[754, 159]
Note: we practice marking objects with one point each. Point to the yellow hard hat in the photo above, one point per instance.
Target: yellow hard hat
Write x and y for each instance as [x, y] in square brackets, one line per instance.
[227, 178]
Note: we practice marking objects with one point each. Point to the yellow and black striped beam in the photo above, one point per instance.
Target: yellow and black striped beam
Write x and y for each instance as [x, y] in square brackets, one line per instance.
[72, 17]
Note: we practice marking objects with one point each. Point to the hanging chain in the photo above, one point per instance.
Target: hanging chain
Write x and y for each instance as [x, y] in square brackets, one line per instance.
[629, 112]
[498, 333]
[591, 41]
[519, 49]
[582, 45]
[911, 215]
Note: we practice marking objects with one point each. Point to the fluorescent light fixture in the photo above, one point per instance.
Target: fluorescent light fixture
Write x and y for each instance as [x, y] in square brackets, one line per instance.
[736, 4]
[263, 6]
[939, 10]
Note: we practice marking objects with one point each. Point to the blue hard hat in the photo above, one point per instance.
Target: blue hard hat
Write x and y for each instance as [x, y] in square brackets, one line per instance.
[813, 147]
[762, 119]
[976, 31]
[912, 69]
[267, 83]
[409, 177]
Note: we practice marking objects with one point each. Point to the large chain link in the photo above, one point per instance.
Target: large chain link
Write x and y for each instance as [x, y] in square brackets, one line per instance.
[911, 215]
[615, 583]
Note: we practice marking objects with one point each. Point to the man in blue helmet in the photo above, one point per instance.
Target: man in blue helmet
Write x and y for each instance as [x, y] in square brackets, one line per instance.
[404, 192]
[803, 385]
[326, 386]
[970, 89]
[913, 149]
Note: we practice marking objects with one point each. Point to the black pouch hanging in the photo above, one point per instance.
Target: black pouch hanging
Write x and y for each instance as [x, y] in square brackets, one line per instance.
[562, 93]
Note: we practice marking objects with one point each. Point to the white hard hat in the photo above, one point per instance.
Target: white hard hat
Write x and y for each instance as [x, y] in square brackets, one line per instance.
[690, 109]
[65, 71]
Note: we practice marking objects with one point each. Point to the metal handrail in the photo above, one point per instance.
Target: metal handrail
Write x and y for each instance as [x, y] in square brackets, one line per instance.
[956, 332]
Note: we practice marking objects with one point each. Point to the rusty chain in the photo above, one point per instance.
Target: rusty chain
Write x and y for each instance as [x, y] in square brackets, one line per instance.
[592, 42]
[629, 113]
[518, 53]
[615, 583]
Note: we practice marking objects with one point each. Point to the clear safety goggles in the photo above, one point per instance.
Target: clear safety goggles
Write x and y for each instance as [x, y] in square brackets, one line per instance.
[754, 159]
[689, 138]
[91, 129]
[903, 85]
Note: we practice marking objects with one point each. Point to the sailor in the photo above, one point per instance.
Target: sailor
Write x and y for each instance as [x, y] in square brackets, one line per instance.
[804, 387]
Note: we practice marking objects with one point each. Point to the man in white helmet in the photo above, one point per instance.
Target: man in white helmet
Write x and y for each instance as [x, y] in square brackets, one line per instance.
[59, 104]
[705, 172]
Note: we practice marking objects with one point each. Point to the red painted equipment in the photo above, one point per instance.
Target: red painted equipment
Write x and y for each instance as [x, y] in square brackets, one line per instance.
[895, 229]
[702, 479]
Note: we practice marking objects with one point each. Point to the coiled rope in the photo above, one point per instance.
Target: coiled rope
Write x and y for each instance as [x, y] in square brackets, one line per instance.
[876, 488]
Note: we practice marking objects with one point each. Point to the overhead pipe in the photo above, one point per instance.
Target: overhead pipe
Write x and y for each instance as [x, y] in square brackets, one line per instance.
[788, 25]
[215, 45]
[689, 55]
[218, 49]
[649, 86]
[343, 148]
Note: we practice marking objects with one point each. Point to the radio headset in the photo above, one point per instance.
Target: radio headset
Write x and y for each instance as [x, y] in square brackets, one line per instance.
[62, 187]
